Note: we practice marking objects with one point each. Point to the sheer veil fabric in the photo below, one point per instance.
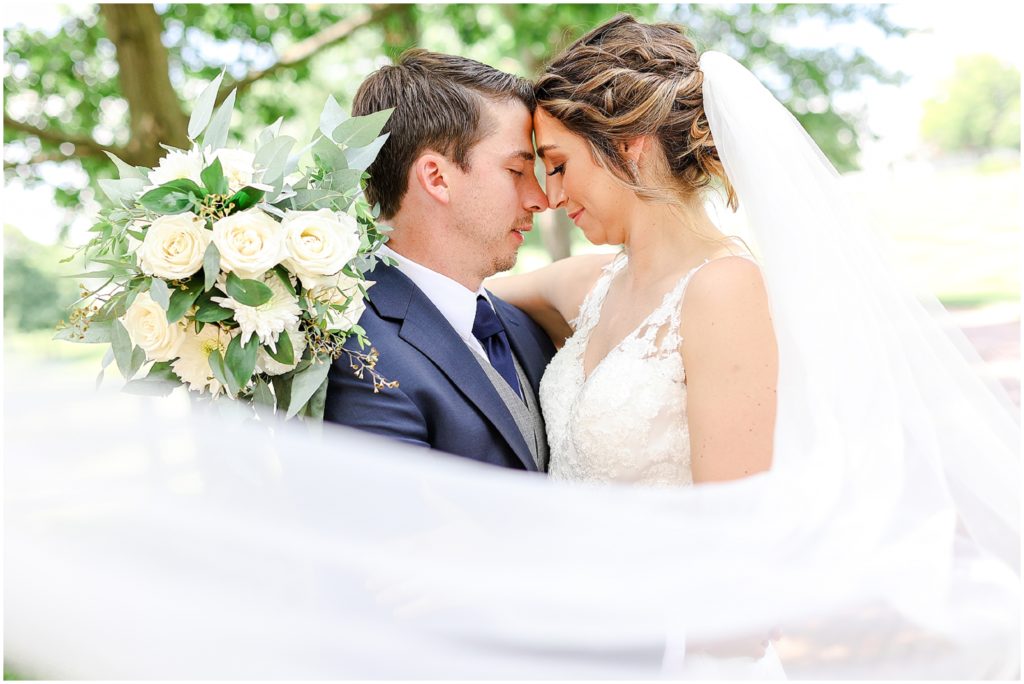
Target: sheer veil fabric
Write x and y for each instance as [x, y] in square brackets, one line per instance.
[148, 540]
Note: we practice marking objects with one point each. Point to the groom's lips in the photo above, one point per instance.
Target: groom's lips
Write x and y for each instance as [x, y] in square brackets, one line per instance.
[525, 228]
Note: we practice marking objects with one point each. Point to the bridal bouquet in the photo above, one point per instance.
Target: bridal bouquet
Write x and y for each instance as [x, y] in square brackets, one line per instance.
[232, 272]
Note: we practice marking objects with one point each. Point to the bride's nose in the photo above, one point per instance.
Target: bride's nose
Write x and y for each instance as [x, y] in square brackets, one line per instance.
[555, 192]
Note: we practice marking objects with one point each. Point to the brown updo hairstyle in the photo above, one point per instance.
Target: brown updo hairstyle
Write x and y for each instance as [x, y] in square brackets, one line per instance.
[626, 79]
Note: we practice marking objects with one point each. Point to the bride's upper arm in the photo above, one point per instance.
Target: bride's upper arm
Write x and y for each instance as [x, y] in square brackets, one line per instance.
[731, 360]
[552, 295]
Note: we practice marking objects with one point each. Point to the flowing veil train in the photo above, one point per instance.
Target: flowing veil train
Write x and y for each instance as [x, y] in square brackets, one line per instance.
[146, 540]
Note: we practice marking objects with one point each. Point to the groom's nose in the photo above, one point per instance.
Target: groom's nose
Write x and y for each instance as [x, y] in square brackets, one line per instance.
[535, 200]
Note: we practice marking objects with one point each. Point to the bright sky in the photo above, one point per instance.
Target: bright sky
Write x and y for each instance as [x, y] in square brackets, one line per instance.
[952, 30]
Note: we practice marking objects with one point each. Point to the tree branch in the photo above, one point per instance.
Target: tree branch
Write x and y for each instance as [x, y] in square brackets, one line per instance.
[41, 158]
[305, 50]
[84, 146]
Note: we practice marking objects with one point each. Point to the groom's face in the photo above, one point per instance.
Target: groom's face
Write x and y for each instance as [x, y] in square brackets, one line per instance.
[495, 200]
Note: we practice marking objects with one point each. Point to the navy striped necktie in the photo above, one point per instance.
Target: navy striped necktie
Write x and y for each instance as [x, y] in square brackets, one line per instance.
[488, 329]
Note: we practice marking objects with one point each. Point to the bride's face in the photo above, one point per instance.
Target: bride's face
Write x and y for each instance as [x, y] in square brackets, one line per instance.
[590, 195]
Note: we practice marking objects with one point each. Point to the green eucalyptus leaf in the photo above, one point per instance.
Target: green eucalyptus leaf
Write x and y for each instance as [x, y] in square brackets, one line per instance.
[272, 158]
[331, 116]
[138, 358]
[329, 154]
[160, 293]
[119, 191]
[305, 384]
[245, 198]
[105, 273]
[282, 390]
[211, 312]
[360, 131]
[172, 197]
[211, 266]
[213, 178]
[204, 108]
[122, 345]
[248, 292]
[361, 157]
[269, 133]
[285, 277]
[216, 135]
[220, 371]
[127, 171]
[285, 353]
[263, 399]
[182, 300]
[241, 359]
[315, 405]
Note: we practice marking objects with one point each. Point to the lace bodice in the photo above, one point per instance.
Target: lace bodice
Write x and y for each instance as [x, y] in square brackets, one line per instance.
[626, 421]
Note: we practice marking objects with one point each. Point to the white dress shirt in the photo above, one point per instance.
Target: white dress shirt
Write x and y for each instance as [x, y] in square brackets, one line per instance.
[455, 302]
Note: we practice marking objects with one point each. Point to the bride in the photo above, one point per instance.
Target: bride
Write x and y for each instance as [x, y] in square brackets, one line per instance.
[671, 345]
[684, 360]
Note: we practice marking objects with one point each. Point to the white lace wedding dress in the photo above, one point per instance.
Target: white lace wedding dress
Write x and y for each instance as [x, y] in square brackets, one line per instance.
[626, 422]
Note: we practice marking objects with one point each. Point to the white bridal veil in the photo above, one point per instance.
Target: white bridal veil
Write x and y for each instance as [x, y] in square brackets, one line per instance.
[145, 540]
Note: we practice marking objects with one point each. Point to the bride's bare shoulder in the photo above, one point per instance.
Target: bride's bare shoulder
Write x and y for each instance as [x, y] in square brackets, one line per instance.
[726, 300]
[569, 280]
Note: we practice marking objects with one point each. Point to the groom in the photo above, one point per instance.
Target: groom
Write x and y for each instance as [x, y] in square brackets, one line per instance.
[456, 182]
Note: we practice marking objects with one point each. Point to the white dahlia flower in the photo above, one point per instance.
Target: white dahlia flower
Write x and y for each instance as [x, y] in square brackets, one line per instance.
[193, 362]
[237, 166]
[178, 164]
[267, 320]
[266, 364]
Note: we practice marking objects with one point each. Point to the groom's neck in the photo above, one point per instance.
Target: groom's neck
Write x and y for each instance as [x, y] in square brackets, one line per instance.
[430, 251]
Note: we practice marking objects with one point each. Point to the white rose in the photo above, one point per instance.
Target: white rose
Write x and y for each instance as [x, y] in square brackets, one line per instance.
[266, 364]
[338, 293]
[174, 246]
[250, 242]
[237, 166]
[178, 164]
[319, 244]
[147, 326]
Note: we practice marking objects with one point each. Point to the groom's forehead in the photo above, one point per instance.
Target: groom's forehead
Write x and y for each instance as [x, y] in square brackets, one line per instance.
[511, 132]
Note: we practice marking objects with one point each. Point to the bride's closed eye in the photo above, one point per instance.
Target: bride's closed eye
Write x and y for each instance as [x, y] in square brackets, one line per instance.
[557, 170]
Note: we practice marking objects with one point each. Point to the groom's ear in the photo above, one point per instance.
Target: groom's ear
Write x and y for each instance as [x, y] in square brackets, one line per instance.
[430, 171]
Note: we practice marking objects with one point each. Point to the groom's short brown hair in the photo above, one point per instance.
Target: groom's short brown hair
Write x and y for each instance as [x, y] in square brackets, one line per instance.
[437, 100]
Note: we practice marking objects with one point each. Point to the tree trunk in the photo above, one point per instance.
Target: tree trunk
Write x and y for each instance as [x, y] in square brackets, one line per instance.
[401, 31]
[555, 226]
[156, 115]
[555, 231]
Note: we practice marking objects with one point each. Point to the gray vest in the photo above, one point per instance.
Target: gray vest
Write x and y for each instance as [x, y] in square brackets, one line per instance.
[527, 415]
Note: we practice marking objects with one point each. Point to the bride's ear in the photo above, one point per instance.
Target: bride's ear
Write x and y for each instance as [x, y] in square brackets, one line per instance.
[430, 174]
[634, 148]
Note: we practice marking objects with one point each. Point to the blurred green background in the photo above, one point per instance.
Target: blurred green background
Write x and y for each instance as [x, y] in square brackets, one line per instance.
[929, 148]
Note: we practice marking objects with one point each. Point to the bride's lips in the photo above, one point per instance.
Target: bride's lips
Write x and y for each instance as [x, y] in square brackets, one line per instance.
[575, 215]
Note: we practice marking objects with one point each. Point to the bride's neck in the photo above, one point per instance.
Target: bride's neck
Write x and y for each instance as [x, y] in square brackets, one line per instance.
[662, 240]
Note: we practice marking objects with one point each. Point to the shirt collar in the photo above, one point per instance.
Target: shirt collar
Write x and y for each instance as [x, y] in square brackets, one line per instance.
[455, 302]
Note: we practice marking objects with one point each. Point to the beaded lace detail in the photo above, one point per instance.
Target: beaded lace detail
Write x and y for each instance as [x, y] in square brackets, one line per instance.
[626, 421]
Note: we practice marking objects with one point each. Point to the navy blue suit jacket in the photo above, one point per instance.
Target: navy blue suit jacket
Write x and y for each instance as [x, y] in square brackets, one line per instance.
[444, 399]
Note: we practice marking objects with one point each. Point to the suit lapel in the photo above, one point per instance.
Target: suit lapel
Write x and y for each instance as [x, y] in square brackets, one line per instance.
[396, 297]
